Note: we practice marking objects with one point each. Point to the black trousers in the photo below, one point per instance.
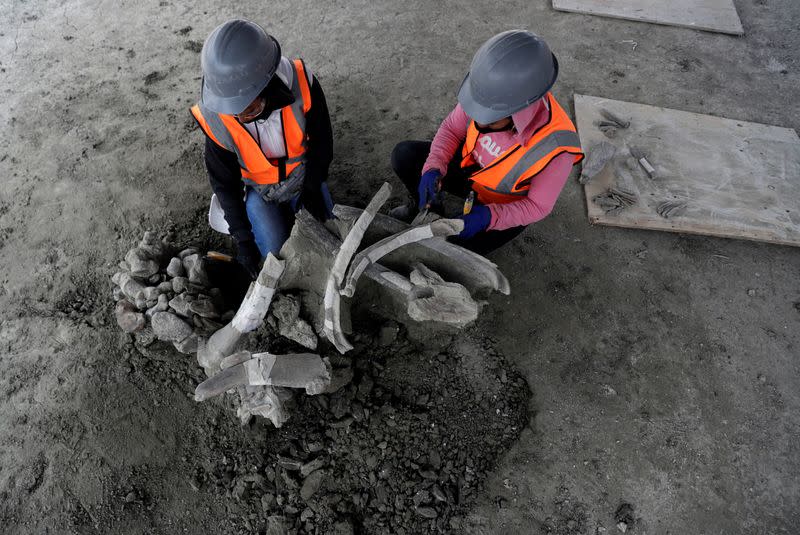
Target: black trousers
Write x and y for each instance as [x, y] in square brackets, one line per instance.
[408, 157]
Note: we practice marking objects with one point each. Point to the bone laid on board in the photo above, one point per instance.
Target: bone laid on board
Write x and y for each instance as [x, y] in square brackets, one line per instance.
[249, 316]
[477, 273]
[596, 160]
[668, 209]
[332, 300]
[373, 253]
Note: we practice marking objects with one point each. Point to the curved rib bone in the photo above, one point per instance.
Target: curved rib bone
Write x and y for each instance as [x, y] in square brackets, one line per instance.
[249, 316]
[454, 263]
[373, 253]
[332, 300]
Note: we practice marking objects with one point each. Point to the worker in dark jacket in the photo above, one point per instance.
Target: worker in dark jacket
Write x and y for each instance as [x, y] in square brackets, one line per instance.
[268, 138]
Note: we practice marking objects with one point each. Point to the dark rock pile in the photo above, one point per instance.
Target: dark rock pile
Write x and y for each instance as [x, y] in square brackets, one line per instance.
[400, 450]
[166, 297]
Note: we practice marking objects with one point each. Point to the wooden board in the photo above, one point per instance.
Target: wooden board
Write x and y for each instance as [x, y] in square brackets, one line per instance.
[712, 15]
[739, 179]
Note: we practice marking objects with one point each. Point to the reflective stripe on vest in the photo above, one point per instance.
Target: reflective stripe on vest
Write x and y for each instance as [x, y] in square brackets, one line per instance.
[257, 170]
[509, 176]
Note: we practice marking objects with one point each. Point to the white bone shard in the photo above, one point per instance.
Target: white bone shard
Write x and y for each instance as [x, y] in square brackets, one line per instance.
[264, 401]
[256, 303]
[373, 253]
[437, 299]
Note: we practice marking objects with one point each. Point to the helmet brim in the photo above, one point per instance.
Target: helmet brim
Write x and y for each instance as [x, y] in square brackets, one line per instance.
[227, 105]
[483, 114]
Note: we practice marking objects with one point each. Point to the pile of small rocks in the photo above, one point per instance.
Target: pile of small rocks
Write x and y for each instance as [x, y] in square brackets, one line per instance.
[402, 449]
[164, 295]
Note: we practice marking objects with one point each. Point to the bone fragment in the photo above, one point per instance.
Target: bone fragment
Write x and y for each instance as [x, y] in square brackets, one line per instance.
[332, 299]
[249, 316]
[303, 370]
[256, 303]
[204, 307]
[621, 123]
[609, 128]
[425, 217]
[669, 209]
[478, 274]
[376, 251]
[381, 291]
[609, 131]
[286, 312]
[596, 160]
[435, 299]
[237, 358]
[615, 200]
[188, 345]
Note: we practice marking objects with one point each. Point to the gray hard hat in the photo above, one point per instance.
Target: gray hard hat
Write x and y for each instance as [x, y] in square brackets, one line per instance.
[238, 60]
[510, 71]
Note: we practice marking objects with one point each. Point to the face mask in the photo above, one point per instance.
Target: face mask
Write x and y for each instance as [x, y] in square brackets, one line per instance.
[253, 111]
[488, 130]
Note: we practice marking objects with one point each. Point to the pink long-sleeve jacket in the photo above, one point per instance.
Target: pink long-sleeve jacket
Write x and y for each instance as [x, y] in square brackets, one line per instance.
[546, 186]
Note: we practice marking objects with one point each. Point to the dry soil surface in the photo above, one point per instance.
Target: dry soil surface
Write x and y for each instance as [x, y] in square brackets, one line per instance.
[663, 369]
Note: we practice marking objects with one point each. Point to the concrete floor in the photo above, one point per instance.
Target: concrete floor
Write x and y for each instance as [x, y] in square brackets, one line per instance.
[659, 379]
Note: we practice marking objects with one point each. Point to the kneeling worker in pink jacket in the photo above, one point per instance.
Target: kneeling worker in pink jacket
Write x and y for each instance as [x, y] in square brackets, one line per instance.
[507, 148]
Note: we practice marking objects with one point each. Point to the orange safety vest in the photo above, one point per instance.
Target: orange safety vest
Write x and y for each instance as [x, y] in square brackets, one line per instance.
[508, 178]
[258, 170]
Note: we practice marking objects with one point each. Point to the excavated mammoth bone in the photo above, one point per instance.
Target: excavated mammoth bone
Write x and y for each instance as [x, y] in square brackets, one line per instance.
[301, 370]
[332, 300]
[250, 315]
[376, 251]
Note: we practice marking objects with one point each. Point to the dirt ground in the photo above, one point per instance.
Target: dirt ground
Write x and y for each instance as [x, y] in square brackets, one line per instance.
[663, 369]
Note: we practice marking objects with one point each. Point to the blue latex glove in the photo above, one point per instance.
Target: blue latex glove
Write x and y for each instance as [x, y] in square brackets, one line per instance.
[477, 220]
[428, 188]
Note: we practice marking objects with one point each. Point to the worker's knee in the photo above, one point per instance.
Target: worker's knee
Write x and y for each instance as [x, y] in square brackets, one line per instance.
[402, 156]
